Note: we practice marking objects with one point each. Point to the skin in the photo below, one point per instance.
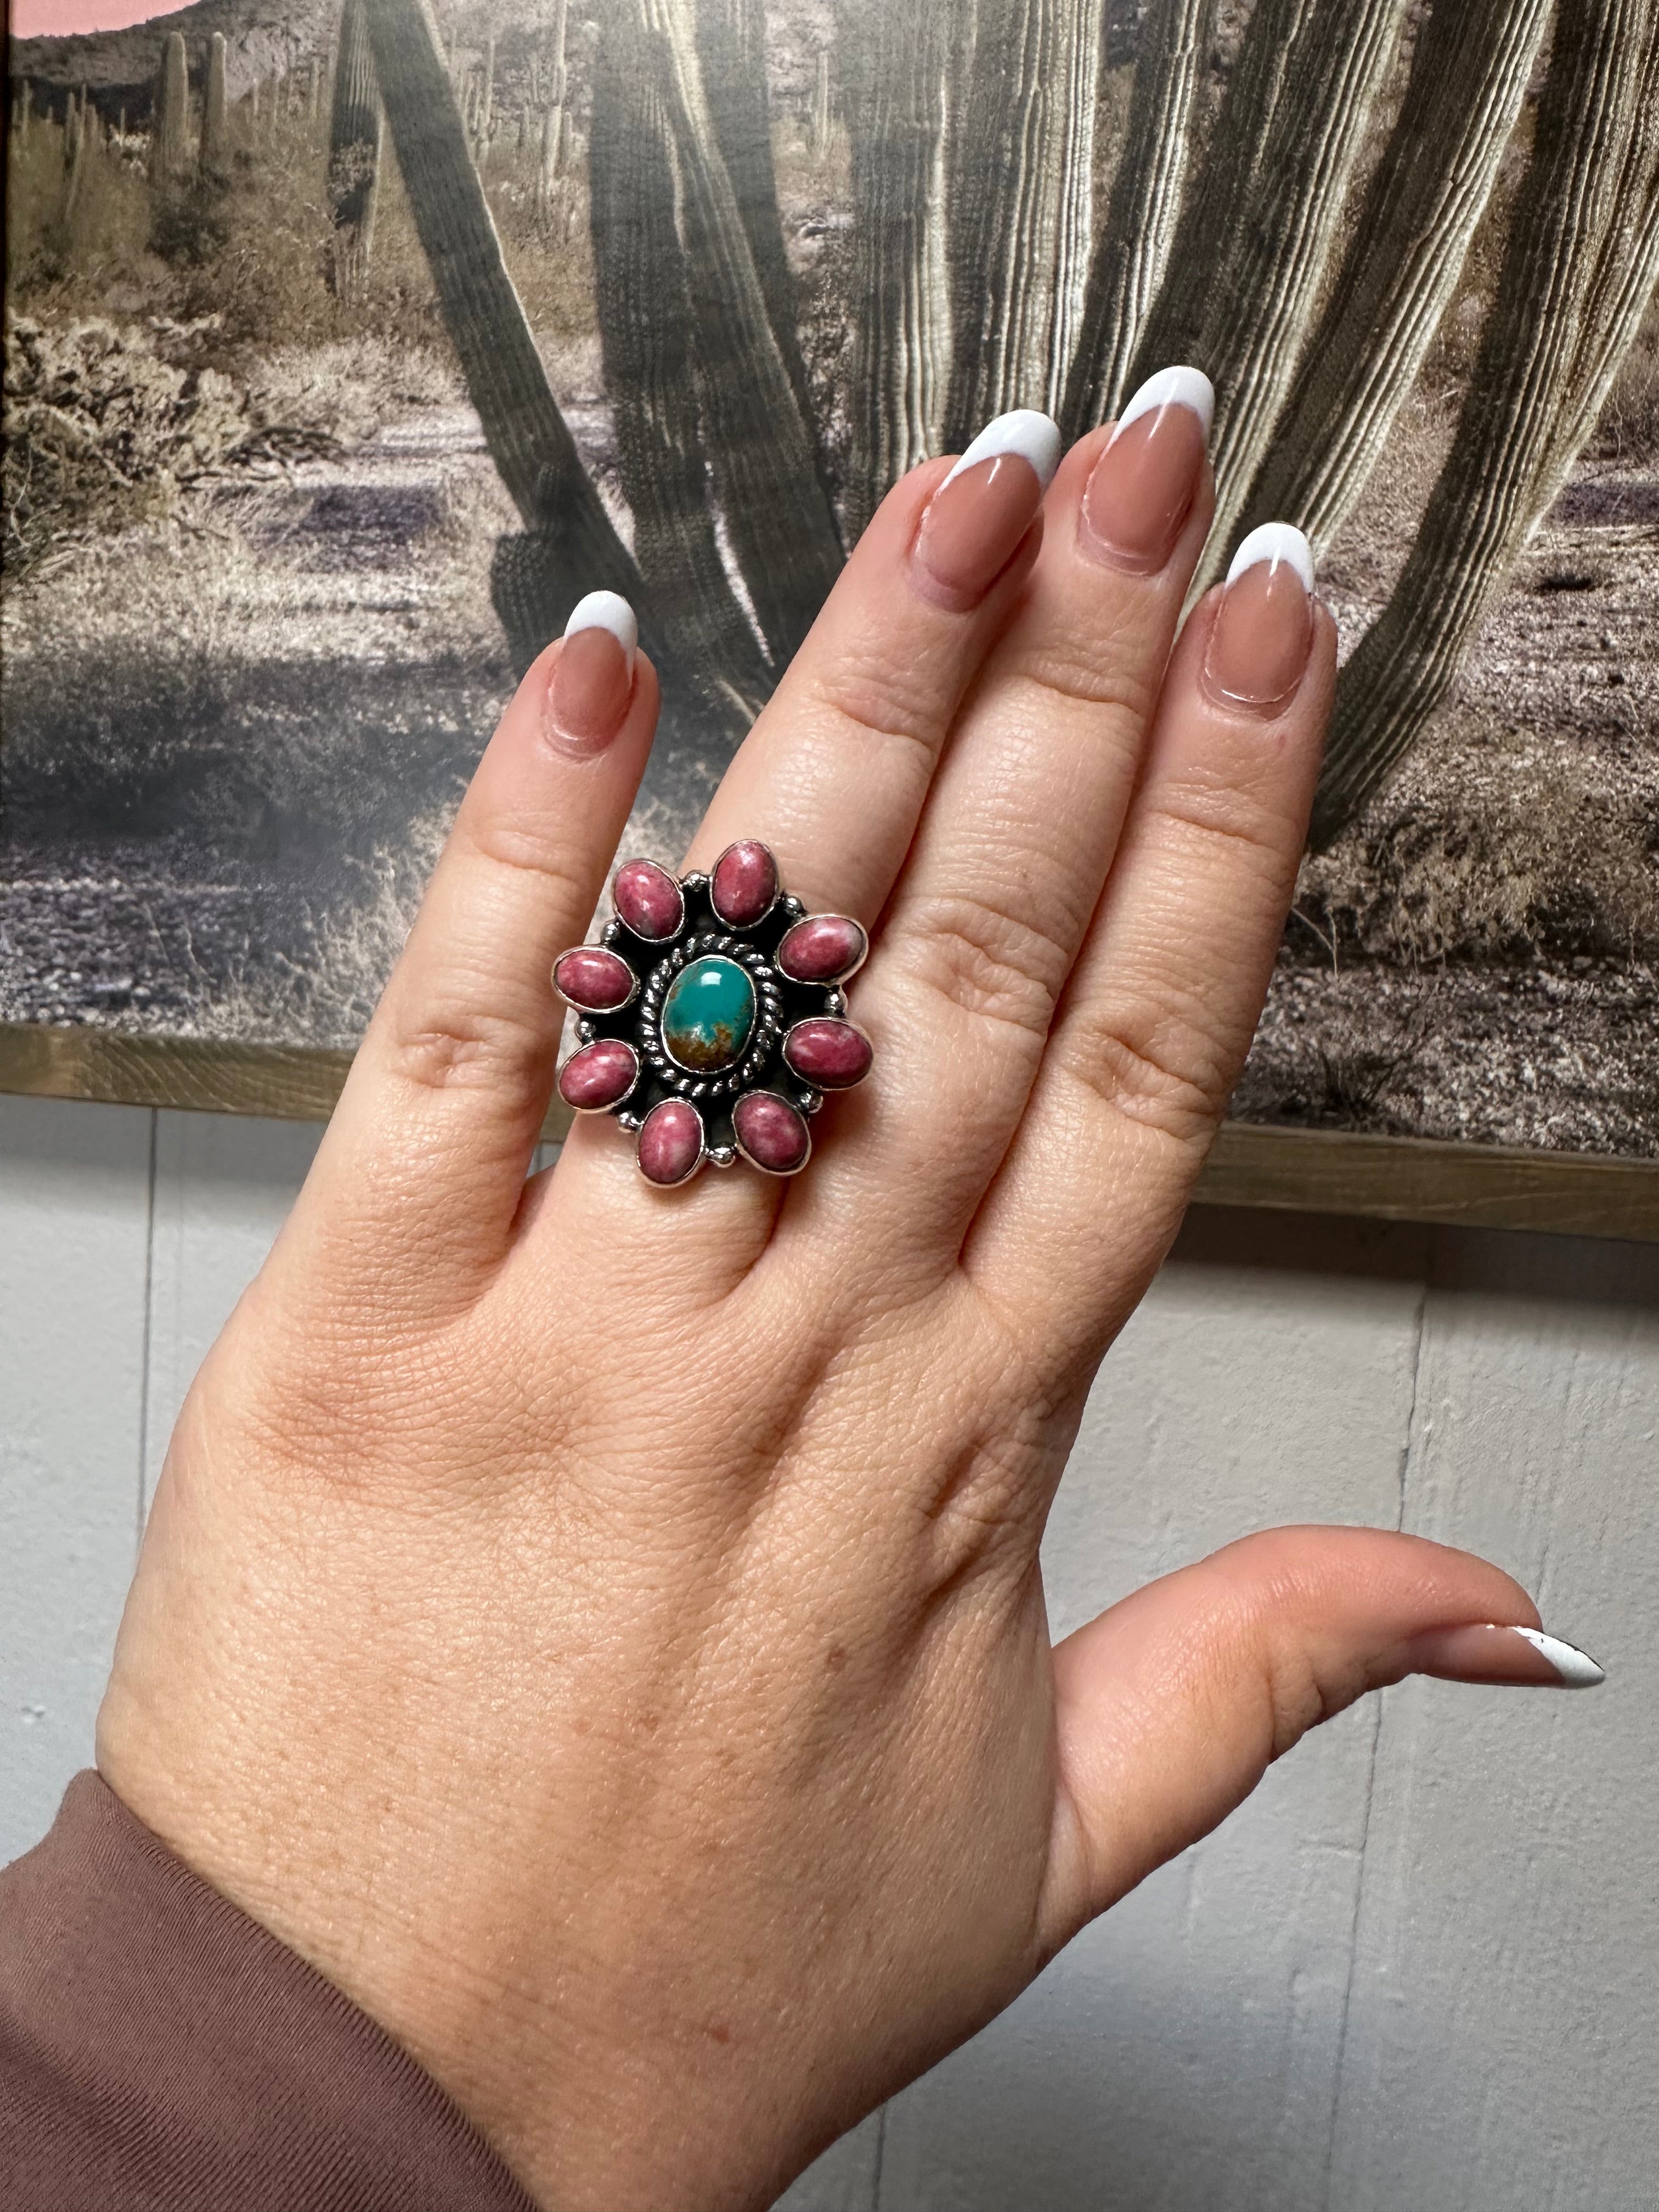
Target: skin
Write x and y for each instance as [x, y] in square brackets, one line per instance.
[602, 1629]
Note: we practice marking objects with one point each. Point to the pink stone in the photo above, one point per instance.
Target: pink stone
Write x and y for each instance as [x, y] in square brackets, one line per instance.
[770, 1132]
[825, 948]
[594, 978]
[744, 887]
[601, 1075]
[833, 1054]
[648, 899]
[671, 1142]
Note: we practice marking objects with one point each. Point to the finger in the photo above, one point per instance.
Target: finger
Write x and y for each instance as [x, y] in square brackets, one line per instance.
[834, 773]
[1160, 1009]
[833, 776]
[1171, 1705]
[1023, 816]
[435, 1130]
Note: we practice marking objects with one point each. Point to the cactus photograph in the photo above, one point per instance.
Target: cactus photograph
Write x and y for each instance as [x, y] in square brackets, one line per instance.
[349, 342]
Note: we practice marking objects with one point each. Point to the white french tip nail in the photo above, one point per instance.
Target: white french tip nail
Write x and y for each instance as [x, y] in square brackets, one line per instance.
[1273, 542]
[607, 611]
[1576, 1667]
[1025, 431]
[1173, 388]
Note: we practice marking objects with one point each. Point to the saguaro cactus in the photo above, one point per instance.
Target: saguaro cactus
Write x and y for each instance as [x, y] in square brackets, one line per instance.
[169, 145]
[1284, 231]
[897, 68]
[820, 125]
[75, 157]
[216, 130]
[971, 125]
[651, 377]
[354, 155]
[730, 52]
[553, 127]
[1020, 227]
[1511, 447]
[1469, 72]
[761, 453]
[1623, 285]
[486, 115]
[1134, 245]
[572, 547]
[1216, 187]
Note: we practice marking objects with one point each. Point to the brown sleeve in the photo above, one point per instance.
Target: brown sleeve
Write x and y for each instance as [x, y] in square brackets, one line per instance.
[159, 2051]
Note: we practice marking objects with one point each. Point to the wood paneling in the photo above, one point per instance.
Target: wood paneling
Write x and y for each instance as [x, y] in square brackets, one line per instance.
[75, 1183]
[1295, 1170]
[1503, 2039]
[1415, 1969]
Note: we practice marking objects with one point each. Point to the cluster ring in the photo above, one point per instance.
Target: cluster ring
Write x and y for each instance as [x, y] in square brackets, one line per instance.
[711, 1016]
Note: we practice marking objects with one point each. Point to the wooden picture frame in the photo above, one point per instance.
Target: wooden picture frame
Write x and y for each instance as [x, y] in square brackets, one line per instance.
[705, 131]
[1289, 1170]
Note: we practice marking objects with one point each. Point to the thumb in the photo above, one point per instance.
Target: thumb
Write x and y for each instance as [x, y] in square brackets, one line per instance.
[1172, 1705]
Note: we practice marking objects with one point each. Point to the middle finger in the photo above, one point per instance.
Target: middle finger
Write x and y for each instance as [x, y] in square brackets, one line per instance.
[1022, 819]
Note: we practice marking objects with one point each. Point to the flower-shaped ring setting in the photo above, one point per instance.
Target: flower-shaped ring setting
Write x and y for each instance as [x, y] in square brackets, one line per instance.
[711, 1016]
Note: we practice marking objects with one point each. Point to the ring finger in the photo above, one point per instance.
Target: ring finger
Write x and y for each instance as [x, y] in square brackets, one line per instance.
[834, 773]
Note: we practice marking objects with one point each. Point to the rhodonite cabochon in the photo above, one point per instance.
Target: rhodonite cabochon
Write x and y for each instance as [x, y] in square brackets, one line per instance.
[712, 1019]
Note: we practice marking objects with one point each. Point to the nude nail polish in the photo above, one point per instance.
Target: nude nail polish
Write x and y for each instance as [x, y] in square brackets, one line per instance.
[1263, 629]
[1486, 1652]
[593, 676]
[1141, 489]
[976, 518]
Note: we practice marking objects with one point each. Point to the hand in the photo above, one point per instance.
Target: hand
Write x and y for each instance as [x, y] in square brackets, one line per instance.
[601, 1628]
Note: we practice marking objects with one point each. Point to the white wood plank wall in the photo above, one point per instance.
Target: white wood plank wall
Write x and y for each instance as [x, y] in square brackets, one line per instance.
[1420, 1970]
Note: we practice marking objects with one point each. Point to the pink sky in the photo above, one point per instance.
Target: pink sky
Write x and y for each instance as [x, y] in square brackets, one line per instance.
[35, 18]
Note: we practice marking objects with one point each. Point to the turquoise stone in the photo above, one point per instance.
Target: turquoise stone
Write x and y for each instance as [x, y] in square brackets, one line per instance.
[708, 1016]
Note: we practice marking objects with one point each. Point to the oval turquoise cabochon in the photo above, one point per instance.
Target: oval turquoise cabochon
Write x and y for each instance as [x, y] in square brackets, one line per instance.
[708, 1015]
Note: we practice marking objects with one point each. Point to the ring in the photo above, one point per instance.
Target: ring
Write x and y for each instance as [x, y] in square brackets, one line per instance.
[711, 1016]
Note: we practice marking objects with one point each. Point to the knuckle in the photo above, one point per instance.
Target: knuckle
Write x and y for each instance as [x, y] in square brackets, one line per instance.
[467, 1048]
[979, 1508]
[522, 849]
[1233, 826]
[986, 961]
[1151, 1065]
[1106, 683]
[1258, 1604]
[877, 708]
[984, 1500]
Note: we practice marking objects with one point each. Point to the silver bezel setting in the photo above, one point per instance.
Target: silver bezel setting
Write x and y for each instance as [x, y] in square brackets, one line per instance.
[741, 1075]
[598, 1013]
[782, 1002]
[816, 1082]
[781, 1175]
[667, 936]
[758, 920]
[842, 975]
[622, 1097]
[703, 1143]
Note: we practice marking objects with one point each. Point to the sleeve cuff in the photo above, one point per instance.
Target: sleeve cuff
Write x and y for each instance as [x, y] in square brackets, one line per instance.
[159, 2049]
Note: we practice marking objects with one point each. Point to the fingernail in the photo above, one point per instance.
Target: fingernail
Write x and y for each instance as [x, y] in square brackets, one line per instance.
[593, 675]
[1141, 488]
[985, 505]
[1263, 629]
[1488, 1653]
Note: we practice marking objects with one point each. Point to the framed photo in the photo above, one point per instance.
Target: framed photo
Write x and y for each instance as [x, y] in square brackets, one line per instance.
[347, 343]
